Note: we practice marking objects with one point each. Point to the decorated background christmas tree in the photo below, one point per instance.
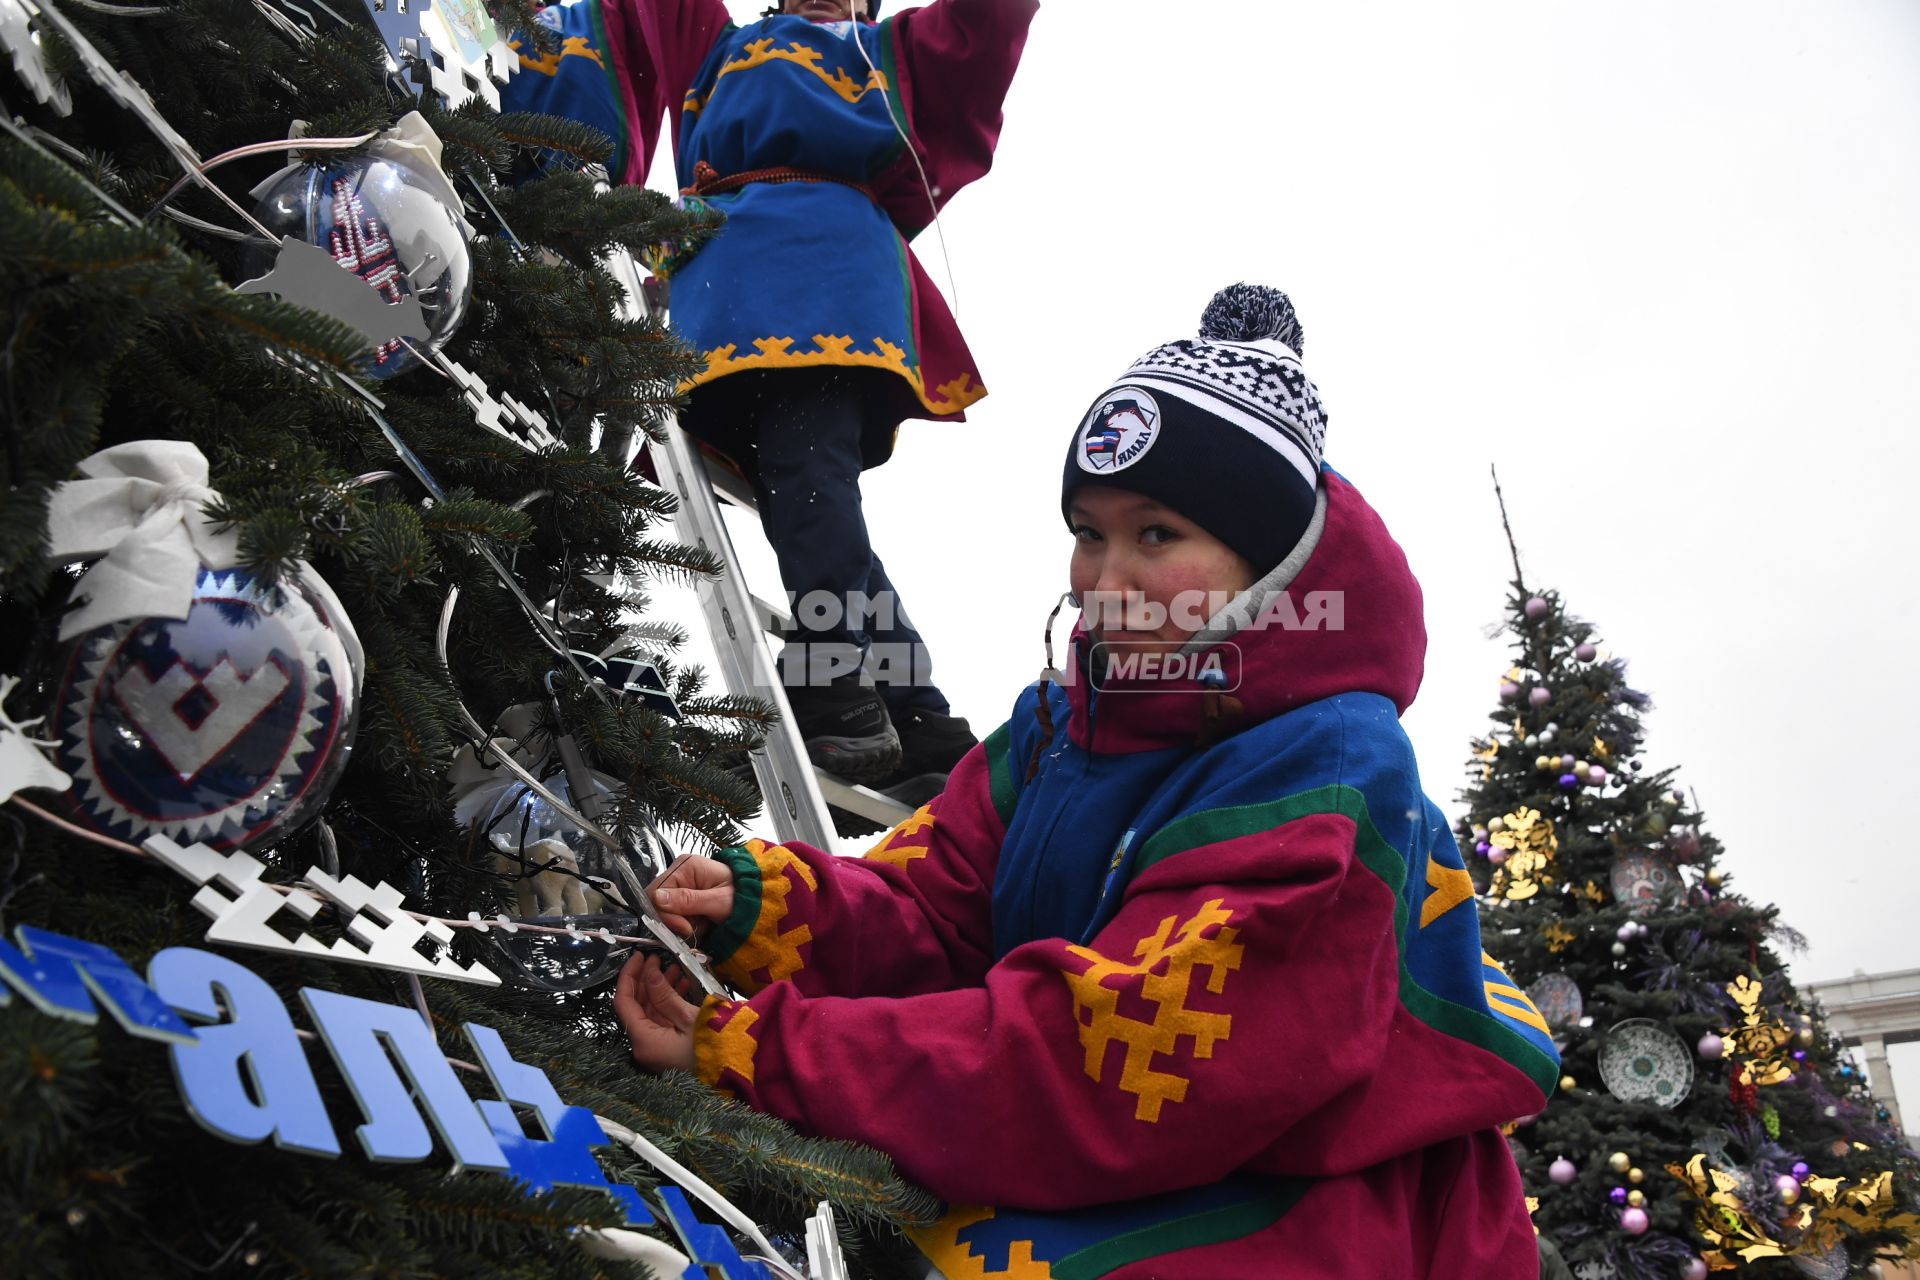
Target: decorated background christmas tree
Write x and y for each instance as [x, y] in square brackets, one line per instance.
[361, 608]
[1706, 1121]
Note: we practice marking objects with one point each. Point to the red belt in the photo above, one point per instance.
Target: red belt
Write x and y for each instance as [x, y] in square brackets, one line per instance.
[708, 181]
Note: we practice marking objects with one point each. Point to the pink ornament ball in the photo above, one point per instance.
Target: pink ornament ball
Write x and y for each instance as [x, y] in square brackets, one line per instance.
[1585, 652]
[1626, 932]
[1497, 857]
[1561, 1172]
[1696, 1269]
[1537, 607]
[1509, 691]
[1634, 1222]
[1597, 776]
[1711, 1046]
[1540, 695]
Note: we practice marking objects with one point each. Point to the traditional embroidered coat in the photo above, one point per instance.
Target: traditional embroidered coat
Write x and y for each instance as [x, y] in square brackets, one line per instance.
[1175, 1011]
[805, 273]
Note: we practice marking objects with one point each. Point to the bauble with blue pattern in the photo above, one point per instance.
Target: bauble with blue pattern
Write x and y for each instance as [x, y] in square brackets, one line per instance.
[229, 726]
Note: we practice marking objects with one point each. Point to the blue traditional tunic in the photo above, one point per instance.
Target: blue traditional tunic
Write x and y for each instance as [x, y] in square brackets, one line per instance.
[812, 268]
[807, 272]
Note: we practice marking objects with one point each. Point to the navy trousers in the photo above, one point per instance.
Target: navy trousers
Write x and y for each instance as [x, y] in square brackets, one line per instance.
[802, 436]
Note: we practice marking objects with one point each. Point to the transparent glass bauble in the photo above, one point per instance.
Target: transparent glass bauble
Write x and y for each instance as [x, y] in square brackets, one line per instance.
[229, 726]
[584, 956]
[389, 224]
[558, 876]
[520, 817]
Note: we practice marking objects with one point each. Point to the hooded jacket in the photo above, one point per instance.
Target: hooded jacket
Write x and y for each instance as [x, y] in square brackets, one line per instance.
[1181, 982]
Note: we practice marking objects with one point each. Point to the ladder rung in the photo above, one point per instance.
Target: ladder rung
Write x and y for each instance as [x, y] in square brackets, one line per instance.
[865, 801]
[772, 618]
[737, 621]
[733, 487]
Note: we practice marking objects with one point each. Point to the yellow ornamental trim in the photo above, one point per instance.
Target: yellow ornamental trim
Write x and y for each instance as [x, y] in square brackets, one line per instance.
[1451, 886]
[959, 1259]
[768, 948]
[548, 64]
[761, 53]
[891, 849]
[723, 1042]
[1504, 997]
[1163, 977]
[838, 350]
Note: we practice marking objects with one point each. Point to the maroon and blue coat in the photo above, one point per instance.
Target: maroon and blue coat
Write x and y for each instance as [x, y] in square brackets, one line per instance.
[1169, 982]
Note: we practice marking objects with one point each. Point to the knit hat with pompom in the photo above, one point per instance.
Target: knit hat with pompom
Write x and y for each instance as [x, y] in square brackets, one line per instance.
[1224, 428]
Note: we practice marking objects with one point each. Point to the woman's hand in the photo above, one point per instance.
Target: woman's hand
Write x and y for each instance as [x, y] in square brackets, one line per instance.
[694, 894]
[658, 1020]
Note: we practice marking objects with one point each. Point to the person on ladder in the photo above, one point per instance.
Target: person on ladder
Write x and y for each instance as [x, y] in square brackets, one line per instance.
[827, 138]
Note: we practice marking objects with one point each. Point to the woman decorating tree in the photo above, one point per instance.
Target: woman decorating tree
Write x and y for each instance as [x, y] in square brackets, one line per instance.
[1182, 976]
[828, 141]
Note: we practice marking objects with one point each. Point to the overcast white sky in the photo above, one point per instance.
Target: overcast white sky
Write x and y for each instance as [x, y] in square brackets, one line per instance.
[1658, 262]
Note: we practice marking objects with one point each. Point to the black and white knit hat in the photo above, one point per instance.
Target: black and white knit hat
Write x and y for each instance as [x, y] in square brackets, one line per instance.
[1224, 428]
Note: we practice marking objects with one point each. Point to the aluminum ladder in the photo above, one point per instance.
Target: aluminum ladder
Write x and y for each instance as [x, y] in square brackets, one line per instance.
[795, 792]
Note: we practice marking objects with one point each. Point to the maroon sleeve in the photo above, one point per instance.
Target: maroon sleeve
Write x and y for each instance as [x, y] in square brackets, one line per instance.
[912, 916]
[658, 48]
[956, 60]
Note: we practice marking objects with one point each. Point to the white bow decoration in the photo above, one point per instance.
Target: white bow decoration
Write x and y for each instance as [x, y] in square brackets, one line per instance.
[140, 506]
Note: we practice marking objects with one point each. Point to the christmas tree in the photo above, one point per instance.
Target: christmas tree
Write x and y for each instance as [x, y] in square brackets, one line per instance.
[1706, 1120]
[410, 475]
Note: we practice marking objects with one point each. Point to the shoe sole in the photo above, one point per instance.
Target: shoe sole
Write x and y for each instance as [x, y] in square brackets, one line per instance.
[917, 790]
[861, 760]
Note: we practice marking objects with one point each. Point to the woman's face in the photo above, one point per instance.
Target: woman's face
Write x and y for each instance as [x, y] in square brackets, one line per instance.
[827, 10]
[1145, 574]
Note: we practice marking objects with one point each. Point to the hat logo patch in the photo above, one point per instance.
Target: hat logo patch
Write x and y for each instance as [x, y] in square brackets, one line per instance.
[1119, 431]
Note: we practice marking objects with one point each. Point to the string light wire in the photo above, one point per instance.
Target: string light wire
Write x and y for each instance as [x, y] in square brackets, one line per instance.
[886, 100]
[473, 921]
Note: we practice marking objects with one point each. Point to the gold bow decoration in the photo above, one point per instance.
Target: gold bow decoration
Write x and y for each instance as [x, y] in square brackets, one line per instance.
[1723, 1220]
[1486, 756]
[1760, 1041]
[1531, 846]
[1830, 1210]
[1867, 1206]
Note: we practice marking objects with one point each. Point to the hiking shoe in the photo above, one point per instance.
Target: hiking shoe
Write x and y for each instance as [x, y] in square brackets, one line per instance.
[930, 744]
[846, 729]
